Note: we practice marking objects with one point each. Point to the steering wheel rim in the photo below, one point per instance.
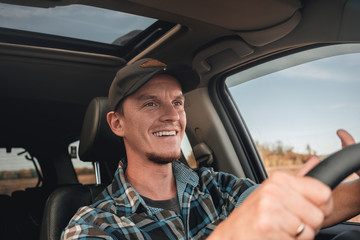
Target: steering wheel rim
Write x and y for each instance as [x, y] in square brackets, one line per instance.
[335, 168]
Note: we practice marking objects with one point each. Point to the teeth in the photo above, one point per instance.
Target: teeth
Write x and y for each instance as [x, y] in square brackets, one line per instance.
[165, 133]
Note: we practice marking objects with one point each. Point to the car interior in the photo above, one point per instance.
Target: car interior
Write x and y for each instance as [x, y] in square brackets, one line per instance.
[53, 89]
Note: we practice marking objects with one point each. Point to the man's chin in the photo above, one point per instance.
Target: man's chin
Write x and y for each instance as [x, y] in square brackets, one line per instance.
[162, 160]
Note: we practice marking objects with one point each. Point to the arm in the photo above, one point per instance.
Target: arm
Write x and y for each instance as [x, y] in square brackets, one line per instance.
[83, 231]
[346, 196]
[82, 226]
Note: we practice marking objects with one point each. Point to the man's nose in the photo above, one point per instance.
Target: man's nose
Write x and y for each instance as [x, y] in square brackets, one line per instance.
[169, 113]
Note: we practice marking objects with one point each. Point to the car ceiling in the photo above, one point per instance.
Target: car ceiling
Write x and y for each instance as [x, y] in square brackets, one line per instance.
[44, 93]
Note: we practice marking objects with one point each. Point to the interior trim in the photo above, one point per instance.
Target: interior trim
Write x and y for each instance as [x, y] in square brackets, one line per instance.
[265, 36]
[157, 43]
[55, 53]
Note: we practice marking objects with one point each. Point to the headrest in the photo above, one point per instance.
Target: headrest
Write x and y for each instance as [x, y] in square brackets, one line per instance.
[97, 141]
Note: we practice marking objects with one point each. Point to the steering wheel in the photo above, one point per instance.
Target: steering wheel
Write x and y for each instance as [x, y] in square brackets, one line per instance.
[337, 166]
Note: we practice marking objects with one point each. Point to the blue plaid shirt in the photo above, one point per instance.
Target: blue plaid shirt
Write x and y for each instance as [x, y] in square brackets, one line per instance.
[206, 198]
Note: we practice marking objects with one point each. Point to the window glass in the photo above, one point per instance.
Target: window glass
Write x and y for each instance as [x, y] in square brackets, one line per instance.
[17, 172]
[84, 170]
[75, 21]
[294, 112]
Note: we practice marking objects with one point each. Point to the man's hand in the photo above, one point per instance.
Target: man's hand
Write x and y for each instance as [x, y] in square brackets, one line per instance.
[277, 208]
[346, 140]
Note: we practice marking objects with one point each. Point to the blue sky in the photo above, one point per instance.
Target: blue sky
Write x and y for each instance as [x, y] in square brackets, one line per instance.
[77, 21]
[305, 104]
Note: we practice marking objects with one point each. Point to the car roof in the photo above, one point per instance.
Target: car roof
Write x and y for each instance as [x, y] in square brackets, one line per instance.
[47, 82]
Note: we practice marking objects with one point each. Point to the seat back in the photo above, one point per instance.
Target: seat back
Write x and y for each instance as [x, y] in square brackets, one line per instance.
[63, 204]
[27, 215]
[97, 144]
[6, 225]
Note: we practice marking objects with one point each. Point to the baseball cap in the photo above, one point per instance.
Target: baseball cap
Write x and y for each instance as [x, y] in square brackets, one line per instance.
[132, 77]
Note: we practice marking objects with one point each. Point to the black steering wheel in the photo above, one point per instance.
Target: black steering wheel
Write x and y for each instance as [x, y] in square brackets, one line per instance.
[337, 166]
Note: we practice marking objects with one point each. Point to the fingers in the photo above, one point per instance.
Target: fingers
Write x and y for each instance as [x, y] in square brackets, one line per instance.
[345, 137]
[308, 200]
[310, 164]
[305, 191]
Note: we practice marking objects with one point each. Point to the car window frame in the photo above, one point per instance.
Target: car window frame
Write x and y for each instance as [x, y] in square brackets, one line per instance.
[232, 119]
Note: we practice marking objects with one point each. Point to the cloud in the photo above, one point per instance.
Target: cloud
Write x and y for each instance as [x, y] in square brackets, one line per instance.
[337, 106]
[343, 68]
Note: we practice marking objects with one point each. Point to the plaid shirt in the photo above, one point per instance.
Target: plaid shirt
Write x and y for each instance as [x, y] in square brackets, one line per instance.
[206, 198]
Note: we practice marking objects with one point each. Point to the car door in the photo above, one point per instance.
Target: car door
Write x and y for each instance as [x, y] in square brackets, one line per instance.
[289, 107]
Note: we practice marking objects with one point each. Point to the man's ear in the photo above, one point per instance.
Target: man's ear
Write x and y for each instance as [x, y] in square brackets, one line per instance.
[115, 122]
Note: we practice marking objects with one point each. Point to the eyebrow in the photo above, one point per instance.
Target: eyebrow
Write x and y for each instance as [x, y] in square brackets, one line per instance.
[148, 97]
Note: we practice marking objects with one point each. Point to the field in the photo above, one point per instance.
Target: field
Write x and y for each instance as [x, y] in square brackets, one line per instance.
[7, 186]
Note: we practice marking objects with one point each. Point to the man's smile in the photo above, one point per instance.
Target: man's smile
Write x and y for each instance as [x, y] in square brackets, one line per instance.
[164, 133]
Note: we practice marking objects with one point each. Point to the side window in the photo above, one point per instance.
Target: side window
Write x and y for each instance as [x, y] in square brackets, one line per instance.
[294, 112]
[84, 170]
[17, 170]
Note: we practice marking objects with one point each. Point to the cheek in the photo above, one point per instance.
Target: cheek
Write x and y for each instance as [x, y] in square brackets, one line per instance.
[183, 119]
[130, 126]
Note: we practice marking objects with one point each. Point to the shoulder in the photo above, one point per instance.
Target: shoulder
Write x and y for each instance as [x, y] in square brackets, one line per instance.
[83, 225]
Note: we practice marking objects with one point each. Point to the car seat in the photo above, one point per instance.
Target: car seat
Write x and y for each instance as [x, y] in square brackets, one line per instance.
[6, 226]
[98, 145]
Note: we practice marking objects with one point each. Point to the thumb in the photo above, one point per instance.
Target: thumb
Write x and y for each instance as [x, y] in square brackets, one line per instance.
[345, 137]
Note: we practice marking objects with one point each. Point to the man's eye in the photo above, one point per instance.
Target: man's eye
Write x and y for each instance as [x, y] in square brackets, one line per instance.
[178, 103]
[150, 104]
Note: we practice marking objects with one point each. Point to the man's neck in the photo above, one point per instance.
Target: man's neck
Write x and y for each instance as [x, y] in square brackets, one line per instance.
[151, 180]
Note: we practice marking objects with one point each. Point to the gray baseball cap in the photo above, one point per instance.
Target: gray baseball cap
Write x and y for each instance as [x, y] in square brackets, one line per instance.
[132, 77]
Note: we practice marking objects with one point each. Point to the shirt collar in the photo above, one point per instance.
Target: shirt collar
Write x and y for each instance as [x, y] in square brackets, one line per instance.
[126, 197]
[185, 174]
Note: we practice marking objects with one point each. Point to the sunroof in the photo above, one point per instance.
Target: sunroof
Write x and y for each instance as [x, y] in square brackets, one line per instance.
[75, 21]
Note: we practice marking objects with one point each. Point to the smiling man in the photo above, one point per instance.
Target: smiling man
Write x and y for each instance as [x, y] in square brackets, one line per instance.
[152, 124]
[154, 196]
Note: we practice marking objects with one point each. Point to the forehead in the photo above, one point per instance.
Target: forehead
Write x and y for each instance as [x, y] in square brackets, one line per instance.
[159, 84]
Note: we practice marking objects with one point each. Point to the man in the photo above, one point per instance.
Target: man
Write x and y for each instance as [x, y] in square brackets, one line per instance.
[153, 196]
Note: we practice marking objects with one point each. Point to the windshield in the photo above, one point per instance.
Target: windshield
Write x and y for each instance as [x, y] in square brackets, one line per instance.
[75, 21]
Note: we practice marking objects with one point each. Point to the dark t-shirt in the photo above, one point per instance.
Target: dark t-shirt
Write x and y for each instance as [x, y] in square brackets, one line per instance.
[171, 204]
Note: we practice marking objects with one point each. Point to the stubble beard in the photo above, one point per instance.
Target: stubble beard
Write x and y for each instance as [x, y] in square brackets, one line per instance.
[162, 160]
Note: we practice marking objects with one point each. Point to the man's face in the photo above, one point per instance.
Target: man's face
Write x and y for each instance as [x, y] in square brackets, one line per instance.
[154, 120]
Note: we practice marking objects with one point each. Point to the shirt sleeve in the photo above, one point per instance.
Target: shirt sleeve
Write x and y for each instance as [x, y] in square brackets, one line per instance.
[226, 189]
[84, 231]
[245, 194]
[81, 226]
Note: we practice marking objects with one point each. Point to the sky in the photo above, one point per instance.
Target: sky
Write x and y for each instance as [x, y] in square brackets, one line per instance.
[77, 21]
[304, 105]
